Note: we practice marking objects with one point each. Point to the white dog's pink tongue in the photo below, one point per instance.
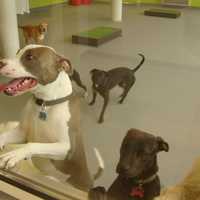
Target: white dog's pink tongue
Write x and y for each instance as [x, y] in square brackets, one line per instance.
[2, 87]
[18, 85]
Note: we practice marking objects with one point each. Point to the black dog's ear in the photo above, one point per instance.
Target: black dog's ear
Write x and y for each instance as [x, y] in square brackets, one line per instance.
[93, 71]
[162, 145]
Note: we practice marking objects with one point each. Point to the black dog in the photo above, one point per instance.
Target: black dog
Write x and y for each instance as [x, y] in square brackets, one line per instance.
[75, 76]
[104, 81]
[137, 169]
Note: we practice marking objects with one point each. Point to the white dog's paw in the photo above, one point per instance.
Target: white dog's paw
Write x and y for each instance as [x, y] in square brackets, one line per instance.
[10, 159]
[2, 141]
[5, 127]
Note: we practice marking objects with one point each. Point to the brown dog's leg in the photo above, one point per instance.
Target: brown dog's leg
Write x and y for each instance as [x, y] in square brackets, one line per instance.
[38, 41]
[25, 36]
[26, 41]
[94, 93]
[106, 99]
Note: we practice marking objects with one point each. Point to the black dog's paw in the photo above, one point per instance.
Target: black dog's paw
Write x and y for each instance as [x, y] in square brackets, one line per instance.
[92, 102]
[100, 121]
[98, 193]
[120, 101]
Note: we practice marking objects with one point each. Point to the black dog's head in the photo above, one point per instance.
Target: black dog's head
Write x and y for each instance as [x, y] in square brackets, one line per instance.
[98, 77]
[138, 153]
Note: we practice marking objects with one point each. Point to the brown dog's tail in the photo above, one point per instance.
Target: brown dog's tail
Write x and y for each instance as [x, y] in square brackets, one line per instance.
[140, 64]
[101, 164]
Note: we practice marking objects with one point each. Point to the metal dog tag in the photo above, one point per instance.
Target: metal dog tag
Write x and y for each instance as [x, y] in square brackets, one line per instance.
[43, 113]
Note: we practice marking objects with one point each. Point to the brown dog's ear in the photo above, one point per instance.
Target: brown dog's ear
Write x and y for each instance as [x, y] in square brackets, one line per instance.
[162, 145]
[18, 51]
[65, 64]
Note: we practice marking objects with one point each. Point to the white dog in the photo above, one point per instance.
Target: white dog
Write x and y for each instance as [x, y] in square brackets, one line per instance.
[45, 124]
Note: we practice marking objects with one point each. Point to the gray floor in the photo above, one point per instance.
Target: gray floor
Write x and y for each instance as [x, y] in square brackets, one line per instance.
[165, 100]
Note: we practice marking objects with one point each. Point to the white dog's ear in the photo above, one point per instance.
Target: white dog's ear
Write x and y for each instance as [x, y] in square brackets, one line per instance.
[65, 64]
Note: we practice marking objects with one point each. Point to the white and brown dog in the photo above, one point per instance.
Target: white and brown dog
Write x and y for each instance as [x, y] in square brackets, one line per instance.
[49, 127]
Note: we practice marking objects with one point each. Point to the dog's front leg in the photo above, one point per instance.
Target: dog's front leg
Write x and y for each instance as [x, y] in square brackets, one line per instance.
[15, 135]
[106, 99]
[55, 151]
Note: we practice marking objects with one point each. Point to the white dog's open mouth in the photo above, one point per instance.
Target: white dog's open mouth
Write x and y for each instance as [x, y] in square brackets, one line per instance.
[18, 86]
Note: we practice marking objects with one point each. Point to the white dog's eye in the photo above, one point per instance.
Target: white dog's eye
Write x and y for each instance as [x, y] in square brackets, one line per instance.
[29, 57]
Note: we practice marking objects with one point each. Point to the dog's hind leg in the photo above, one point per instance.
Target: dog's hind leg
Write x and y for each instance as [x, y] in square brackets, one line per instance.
[126, 90]
[94, 93]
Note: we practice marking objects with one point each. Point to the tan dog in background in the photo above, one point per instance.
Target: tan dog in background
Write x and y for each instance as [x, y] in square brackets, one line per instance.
[188, 189]
[34, 34]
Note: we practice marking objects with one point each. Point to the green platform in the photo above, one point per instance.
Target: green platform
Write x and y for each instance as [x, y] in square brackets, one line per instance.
[96, 36]
[163, 13]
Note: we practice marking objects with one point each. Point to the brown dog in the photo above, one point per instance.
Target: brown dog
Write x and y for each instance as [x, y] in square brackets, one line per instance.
[34, 34]
[188, 189]
[137, 169]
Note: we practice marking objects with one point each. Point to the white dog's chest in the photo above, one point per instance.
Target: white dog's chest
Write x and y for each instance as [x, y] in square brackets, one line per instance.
[53, 129]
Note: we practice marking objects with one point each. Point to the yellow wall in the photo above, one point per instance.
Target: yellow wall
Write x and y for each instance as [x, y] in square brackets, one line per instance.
[42, 3]
[195, 3]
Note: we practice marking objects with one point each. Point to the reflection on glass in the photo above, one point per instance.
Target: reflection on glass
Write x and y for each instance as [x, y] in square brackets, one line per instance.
[96, 73]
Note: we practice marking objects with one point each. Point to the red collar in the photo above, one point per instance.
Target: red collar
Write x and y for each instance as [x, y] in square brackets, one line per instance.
[137, 192]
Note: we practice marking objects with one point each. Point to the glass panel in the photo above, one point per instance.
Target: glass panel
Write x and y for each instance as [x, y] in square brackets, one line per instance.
[94, 76]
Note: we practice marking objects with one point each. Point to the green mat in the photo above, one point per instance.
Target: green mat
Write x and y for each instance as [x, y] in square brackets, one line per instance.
[96, 36]
[98, 32]
[162, 13]
[167, 11]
